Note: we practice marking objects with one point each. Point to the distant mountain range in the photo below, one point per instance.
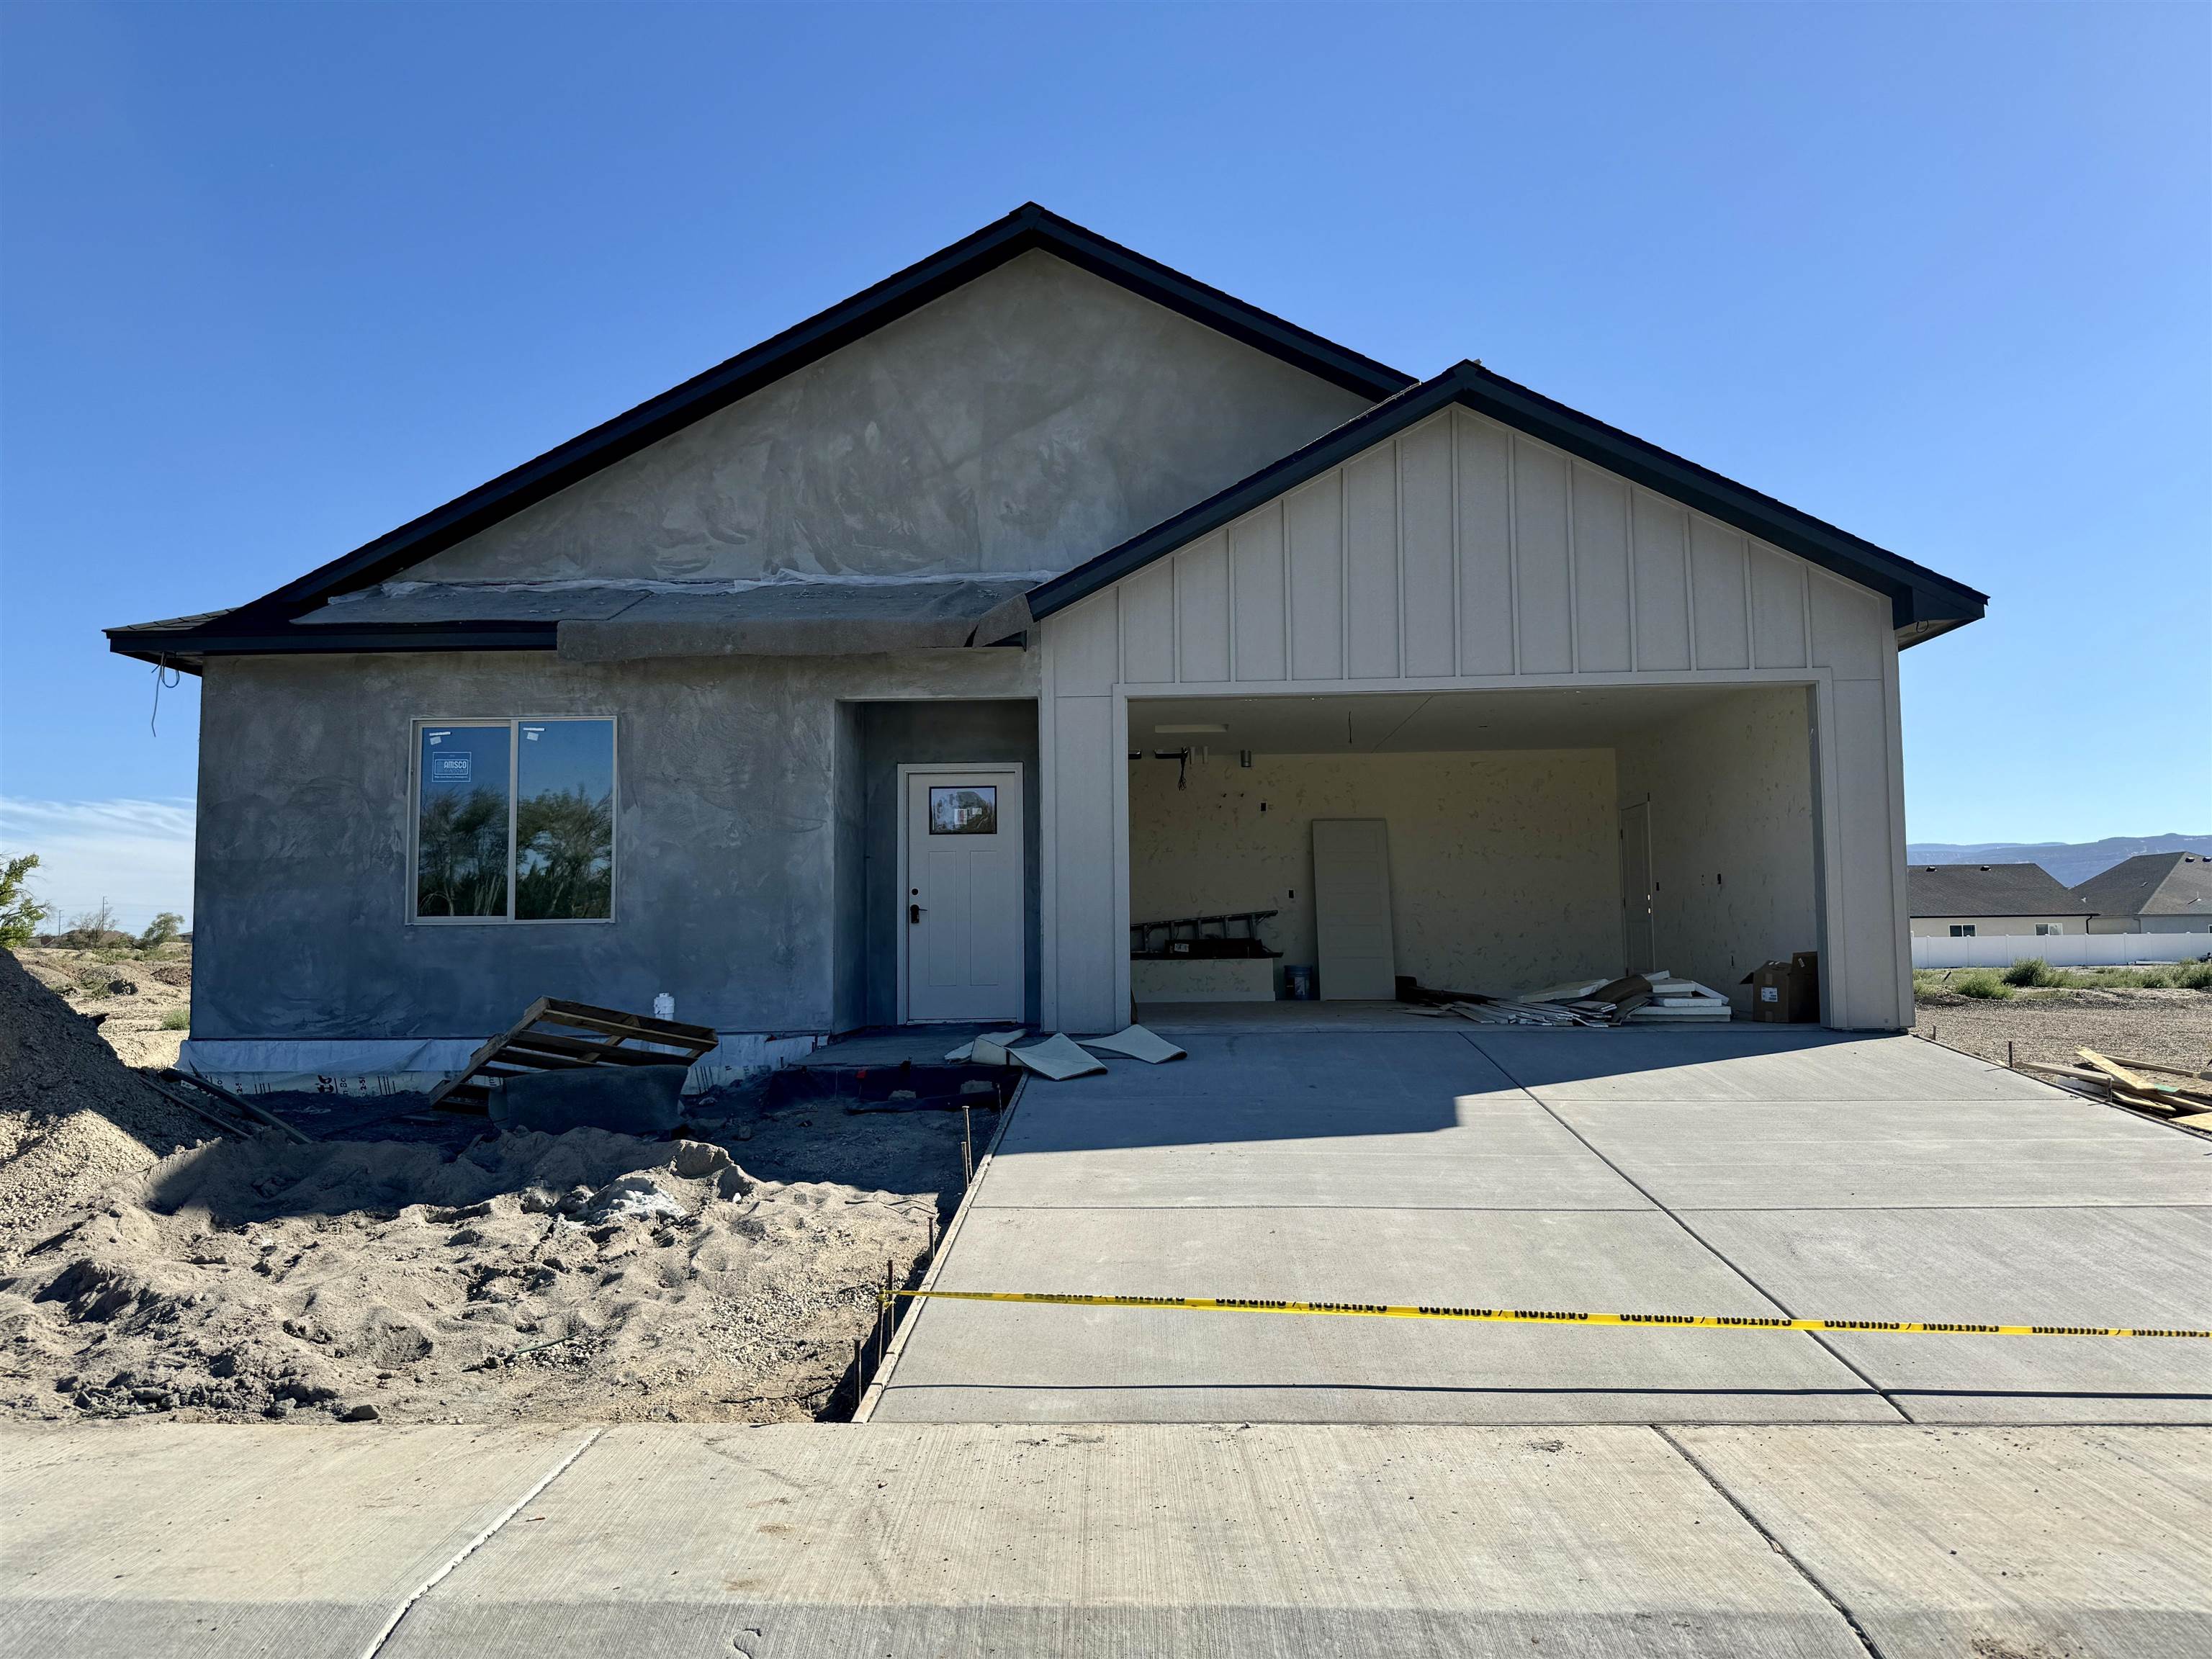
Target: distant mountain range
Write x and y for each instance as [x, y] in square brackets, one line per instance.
[2071, 862]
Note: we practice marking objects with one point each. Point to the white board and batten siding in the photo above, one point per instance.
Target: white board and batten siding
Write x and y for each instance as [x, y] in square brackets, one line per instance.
[1462, 553]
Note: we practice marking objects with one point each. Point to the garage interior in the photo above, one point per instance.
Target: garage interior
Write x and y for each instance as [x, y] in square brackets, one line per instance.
[1510, 819]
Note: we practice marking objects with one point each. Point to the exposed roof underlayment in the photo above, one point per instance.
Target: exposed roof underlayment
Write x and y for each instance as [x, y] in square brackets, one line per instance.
[788, 616]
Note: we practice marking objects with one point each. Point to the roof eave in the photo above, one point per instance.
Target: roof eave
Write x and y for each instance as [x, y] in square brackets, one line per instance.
[189, 651]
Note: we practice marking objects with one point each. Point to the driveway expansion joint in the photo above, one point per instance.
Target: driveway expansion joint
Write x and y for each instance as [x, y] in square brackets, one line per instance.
[1704, 1244]
[399, 1615]
[1772, 1542]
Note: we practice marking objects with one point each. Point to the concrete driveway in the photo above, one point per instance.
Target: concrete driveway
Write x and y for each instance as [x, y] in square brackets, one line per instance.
[1740, 1171]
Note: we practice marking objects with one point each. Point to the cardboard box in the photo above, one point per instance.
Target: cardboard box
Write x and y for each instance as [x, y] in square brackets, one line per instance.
[1787, 993]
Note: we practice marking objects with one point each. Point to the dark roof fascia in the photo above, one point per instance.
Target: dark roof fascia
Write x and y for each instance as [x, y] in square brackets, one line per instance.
[1028, 227]
[238, 635]
[1923, 602]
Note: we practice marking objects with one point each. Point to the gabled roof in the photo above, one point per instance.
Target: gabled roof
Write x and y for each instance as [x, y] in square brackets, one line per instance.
[1990, 890]
[2152, 884]
[1922, 603]
[263, 624]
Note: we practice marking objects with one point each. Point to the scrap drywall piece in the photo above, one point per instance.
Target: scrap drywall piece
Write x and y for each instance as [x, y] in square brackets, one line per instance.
[1058, 1058]
[1138, 1044]
[991, 1048]
[1569, 992]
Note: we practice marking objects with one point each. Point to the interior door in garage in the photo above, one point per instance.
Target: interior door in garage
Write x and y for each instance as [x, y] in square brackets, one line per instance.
[1352, 910]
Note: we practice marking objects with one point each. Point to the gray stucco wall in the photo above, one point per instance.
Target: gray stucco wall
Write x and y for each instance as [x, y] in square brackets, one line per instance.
[730, 813]
[1027, 420]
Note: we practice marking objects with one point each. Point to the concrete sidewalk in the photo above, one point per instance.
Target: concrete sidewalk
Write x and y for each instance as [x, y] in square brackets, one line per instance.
[821, 1539]
[1740, 1171]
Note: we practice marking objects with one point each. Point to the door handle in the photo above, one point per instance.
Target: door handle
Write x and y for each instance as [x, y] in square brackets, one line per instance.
[914, 915]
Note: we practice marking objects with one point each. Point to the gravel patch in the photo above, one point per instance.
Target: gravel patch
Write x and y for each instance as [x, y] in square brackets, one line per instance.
[2173, 1026]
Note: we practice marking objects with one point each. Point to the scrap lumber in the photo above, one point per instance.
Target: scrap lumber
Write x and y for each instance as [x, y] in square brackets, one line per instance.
[257, 1117]
[554, 1036]
[2162, 1069]
[2113, 1069]
[2122, 1083]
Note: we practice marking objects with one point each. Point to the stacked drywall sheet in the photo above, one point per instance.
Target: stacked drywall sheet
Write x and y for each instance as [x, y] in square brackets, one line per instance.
[1655, 999]
[1682, 1001]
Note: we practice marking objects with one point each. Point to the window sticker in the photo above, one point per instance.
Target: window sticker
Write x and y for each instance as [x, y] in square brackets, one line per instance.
[964, 810]
[458, 767]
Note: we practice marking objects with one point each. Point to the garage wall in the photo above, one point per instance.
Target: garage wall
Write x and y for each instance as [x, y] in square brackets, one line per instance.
[1461, 554]
[1732, 833]
[1503, 865]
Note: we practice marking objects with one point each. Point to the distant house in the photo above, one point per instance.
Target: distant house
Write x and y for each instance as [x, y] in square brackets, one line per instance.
[2151, 893]
[1967, 901]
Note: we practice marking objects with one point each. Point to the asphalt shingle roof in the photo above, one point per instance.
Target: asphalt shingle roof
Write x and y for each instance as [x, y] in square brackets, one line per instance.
[1990, 889]
[2153, 884]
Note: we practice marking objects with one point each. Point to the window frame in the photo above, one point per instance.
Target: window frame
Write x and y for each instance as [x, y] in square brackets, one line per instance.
[1962, 930]
[411, 873]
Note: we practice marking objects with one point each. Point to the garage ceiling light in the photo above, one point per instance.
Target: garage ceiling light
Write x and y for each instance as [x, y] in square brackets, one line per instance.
[1187, 731]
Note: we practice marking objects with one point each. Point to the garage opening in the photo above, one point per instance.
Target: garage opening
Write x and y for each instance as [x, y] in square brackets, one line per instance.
[1499, 841]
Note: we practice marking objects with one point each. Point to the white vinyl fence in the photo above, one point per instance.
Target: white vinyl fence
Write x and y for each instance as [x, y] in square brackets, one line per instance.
[2061, 949]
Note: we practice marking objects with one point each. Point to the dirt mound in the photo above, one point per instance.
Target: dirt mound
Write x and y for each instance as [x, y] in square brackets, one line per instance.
[74, 1119]
[583, 1276]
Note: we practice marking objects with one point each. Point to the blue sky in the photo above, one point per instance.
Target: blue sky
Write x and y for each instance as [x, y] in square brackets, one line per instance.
[274, 279]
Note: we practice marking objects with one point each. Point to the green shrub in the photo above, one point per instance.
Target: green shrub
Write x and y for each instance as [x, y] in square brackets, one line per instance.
[162, 930]
[1981, 983]
[20, 914]
[2154, 978]
[2194, 975]
[2030, 970]
[177, 1020]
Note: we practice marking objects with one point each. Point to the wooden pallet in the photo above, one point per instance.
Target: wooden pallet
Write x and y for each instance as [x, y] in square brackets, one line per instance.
[553, 1036]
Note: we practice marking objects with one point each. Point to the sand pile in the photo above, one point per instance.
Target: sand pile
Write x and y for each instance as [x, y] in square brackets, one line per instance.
[74, 1119]
[583, 1276]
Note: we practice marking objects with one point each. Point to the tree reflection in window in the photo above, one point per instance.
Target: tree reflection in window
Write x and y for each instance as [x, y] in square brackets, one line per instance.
[460, 867]
[564, 829]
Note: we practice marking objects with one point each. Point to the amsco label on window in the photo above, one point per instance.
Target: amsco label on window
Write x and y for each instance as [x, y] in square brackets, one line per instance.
[457, 767]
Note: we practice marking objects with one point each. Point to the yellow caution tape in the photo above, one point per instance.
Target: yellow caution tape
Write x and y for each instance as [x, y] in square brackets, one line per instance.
[1545, 1317]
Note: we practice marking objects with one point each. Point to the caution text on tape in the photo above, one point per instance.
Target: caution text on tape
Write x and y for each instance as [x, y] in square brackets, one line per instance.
[1548, 1316]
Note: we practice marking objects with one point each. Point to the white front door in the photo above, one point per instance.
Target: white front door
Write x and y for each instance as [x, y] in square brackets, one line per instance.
[960, 910]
